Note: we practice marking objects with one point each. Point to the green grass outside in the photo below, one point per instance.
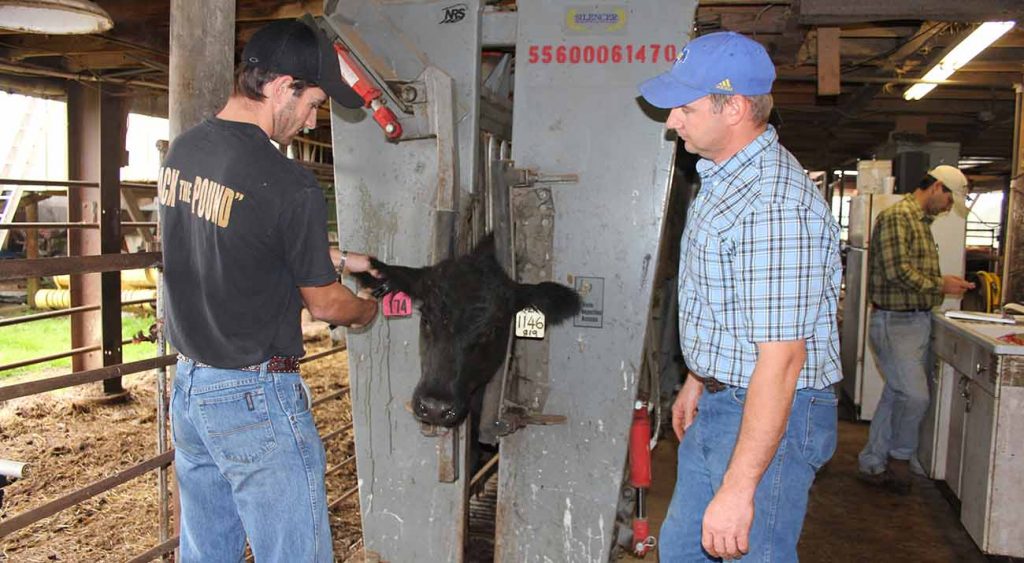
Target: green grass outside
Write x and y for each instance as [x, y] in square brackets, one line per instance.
[50, 336]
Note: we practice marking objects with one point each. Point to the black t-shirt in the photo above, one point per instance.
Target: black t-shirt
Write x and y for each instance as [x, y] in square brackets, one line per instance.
[243, 228]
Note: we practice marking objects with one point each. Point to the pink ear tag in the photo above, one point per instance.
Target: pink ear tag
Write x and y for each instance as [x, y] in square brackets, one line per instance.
[397, 304]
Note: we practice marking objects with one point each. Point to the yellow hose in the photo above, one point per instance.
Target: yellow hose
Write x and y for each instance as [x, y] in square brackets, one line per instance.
[130, 279]
[61, 298]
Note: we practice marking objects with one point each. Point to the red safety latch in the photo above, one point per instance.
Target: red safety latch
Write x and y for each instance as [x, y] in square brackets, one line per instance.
[640, 477]
[353, 75]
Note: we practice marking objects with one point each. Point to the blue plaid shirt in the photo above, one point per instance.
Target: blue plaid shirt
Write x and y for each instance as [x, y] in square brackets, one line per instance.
[759, 262]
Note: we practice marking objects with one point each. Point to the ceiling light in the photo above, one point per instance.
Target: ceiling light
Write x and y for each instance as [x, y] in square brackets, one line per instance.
[58, 17]
[962, 54]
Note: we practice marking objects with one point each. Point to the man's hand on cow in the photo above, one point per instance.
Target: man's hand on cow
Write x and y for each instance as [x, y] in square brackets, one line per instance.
[684, 409]
[352, 262]
[727, 521]
[356, 263]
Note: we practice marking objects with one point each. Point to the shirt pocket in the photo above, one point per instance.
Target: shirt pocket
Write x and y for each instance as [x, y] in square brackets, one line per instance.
[238, 425]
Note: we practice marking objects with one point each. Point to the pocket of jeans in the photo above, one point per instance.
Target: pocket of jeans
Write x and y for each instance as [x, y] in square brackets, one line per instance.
[820, 437]
[239, 425]
[293, 393]
[738, 394]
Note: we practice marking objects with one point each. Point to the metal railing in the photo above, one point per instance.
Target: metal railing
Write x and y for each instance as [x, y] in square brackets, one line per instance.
[162, 461]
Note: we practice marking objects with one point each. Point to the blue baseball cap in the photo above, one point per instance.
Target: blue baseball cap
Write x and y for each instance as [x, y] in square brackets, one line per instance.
[717, 63]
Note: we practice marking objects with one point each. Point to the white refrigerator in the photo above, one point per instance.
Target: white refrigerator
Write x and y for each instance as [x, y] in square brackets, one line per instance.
[862, 382]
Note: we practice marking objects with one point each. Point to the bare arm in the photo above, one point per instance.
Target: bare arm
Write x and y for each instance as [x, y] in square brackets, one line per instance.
[728, 517]
[336, 304]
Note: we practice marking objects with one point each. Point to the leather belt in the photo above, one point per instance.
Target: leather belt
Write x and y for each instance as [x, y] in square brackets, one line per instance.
[901, 310]
[711, 385]
[276, 364]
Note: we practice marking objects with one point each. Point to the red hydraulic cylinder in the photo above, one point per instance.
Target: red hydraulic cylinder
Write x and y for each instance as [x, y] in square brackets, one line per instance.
[354, 76]
[640, 476]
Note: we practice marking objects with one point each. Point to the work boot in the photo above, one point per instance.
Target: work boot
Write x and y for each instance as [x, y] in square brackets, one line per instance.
[900, 476]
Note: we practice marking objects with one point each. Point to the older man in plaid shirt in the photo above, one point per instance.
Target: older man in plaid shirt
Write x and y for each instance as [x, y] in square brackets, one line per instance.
[759, 278]
[905, 284]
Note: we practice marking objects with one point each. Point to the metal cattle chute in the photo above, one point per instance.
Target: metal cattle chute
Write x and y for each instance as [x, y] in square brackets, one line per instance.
[572, 176]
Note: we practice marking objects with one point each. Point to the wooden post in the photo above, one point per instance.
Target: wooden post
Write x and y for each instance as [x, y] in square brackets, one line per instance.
[828, 61]
[1013, 252]
[113, 132]
[84, 205]
[202, 60]
[97, 123]
[31, 246]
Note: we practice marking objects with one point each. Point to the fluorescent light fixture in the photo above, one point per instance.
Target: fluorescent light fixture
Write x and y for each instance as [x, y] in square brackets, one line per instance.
[962, 54]
[58, 17]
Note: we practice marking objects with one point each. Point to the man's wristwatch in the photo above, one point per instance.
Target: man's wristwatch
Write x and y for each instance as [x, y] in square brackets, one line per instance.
[341, 264]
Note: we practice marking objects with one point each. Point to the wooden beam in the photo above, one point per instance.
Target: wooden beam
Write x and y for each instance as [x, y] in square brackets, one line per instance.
[841, 11]
[828, 61]
[267, 11]
[868, 31]
[94, 61]
[994, 66]
[43, 267]
[1013, 260]
[768, 20]
[917, 124]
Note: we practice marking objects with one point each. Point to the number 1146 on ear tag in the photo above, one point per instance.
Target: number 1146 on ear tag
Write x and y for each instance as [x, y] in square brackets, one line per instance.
[530, 323]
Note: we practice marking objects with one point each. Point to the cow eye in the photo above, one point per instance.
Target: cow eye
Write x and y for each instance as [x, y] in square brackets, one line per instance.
[449, 414]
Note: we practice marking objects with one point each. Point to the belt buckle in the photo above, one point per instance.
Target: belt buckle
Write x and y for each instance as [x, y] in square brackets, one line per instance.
[712, 385]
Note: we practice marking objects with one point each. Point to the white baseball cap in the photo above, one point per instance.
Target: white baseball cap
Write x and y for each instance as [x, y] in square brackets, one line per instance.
[954, 179]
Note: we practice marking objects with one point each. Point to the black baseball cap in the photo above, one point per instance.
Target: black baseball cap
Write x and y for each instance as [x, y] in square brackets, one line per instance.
[300, 50]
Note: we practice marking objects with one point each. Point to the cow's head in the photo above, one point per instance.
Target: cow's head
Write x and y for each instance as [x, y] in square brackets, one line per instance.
[466, 306]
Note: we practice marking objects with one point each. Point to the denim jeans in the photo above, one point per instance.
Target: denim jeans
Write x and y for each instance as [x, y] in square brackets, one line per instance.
[901, 342]
[780, 501]
[249, 464]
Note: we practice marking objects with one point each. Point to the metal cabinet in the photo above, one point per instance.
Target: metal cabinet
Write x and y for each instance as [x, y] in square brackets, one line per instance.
[955, 436]
[976, 465]
[933, 451]
[976, 416]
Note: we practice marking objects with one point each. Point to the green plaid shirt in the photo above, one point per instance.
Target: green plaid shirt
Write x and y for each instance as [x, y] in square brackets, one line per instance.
[904, 265]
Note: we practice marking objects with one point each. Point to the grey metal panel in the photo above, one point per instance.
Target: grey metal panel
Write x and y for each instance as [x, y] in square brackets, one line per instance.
[407, 36]
[387, 197]
[559, 485]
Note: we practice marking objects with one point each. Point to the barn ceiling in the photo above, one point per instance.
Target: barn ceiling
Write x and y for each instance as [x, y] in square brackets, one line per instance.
[883, 46]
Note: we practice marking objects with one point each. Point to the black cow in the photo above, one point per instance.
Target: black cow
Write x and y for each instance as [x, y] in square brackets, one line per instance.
[466, 306]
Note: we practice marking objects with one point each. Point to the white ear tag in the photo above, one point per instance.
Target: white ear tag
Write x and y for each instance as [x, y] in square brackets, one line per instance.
[530, 323]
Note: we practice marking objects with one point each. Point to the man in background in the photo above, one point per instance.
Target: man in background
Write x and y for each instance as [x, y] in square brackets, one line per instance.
[905, 284]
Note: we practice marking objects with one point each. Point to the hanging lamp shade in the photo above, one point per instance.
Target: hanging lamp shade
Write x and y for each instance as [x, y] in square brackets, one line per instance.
[58, 17]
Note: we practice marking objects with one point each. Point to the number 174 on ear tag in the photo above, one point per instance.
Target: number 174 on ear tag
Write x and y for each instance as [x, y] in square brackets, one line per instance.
[530, 323]
[397, 304]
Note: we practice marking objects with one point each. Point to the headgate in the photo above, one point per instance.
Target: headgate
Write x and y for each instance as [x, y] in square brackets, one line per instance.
[571, 173]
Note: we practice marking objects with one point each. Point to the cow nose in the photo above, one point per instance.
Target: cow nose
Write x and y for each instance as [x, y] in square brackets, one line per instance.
[435, 411]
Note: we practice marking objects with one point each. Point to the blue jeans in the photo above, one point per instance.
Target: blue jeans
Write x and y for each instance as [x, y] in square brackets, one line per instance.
[780, 501]
[901, 342]
[249, 463]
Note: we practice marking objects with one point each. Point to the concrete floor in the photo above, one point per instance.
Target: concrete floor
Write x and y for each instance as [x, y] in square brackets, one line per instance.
[849, 521]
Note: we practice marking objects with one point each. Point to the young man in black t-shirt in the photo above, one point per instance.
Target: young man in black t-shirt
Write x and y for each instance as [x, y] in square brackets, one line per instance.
[245, 248]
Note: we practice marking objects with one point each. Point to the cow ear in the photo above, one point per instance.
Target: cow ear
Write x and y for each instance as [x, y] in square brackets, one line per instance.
[556, 301]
